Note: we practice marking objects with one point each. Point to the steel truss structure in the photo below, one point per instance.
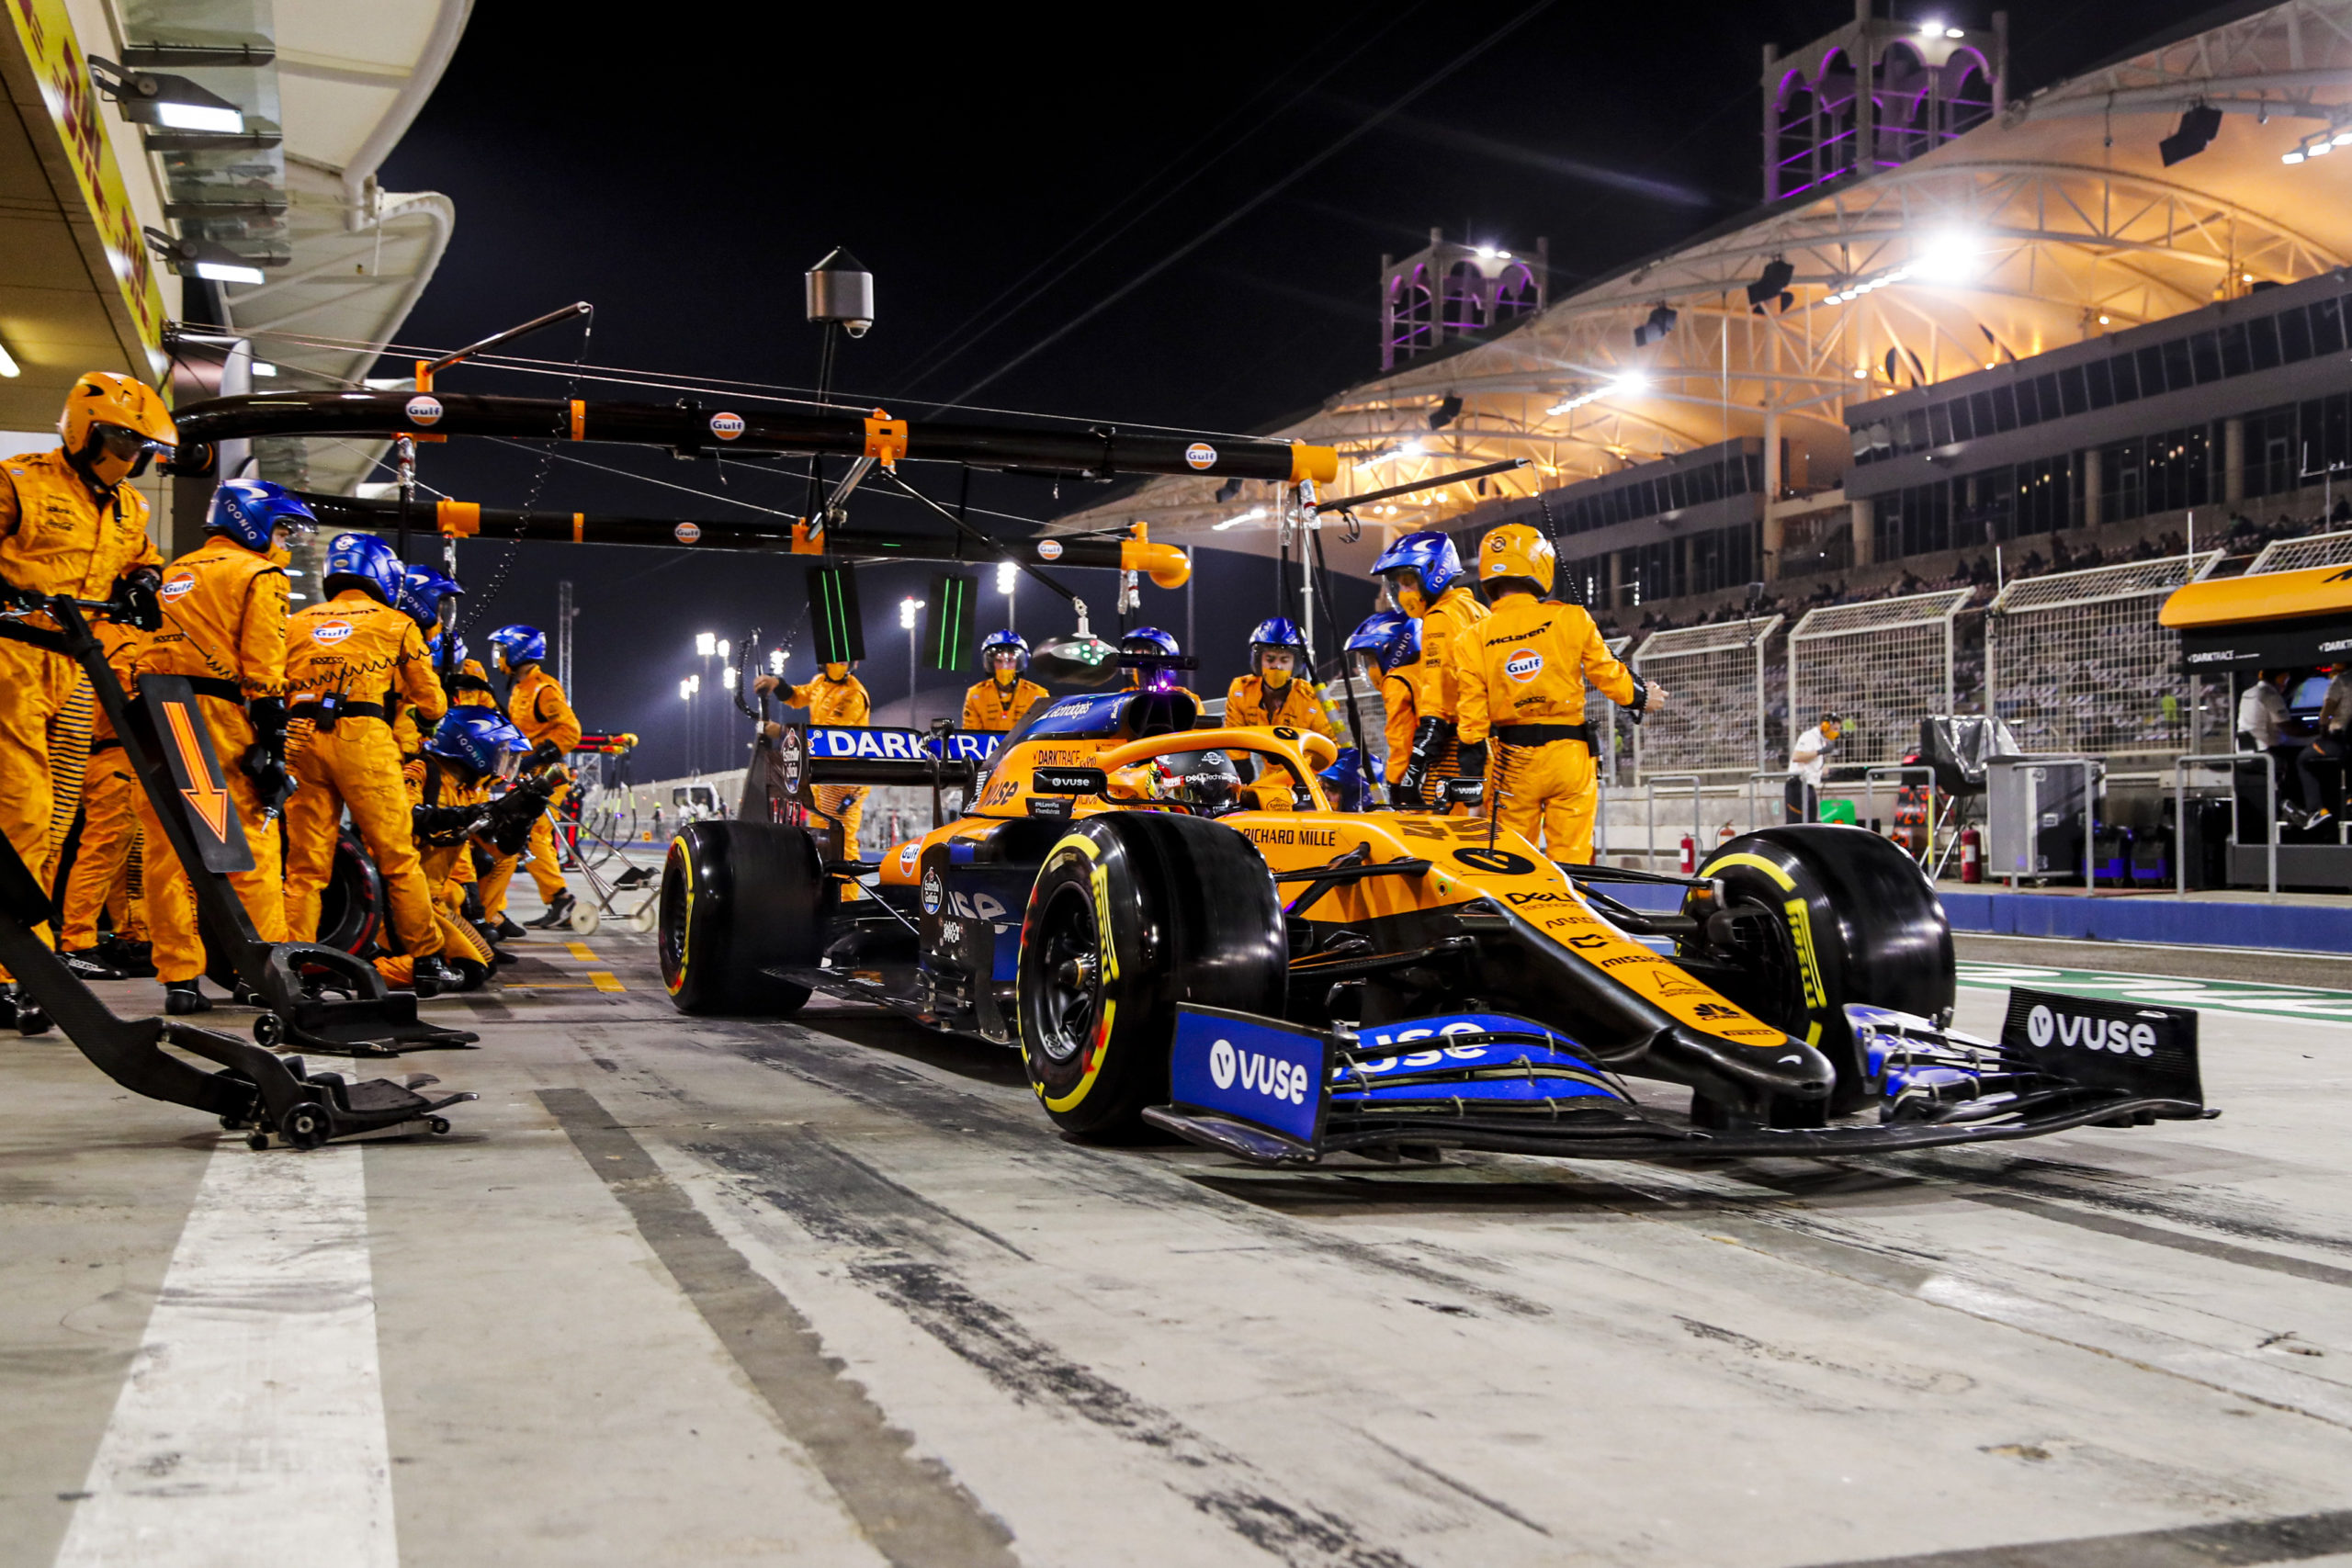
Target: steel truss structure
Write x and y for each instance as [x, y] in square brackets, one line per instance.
[2053, 222]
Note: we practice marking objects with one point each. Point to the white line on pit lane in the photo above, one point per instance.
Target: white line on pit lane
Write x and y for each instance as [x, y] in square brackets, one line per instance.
[2309, 1004]
[250, 1427]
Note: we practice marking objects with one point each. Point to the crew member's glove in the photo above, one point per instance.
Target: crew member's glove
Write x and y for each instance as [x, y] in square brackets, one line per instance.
[1468, 785]
[1429, 740]
[265, 759]
[134, 603]
[15, 598]
[545, 752]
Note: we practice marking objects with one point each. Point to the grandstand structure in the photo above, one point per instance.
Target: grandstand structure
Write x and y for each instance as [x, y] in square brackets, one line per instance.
[2101, 322]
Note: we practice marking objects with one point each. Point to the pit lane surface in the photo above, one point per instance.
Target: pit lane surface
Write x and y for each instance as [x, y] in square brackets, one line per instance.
[831, 1291]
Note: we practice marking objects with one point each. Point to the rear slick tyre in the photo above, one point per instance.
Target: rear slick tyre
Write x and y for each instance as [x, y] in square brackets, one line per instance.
[738, 899]
[1131, 915]
[1862, 923]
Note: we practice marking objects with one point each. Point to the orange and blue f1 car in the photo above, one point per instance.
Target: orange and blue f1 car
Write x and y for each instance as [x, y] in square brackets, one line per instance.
[1179, 931]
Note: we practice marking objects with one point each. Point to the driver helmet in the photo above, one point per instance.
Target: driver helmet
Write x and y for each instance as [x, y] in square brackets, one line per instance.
[1205, 784]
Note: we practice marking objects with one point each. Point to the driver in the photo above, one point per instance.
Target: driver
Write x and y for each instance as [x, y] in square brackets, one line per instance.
[1205, 784]
[997, 705]
[69, 525]
[1270, 695]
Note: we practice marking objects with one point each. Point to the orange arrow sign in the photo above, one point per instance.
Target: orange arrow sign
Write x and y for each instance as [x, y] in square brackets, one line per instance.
[211, 802]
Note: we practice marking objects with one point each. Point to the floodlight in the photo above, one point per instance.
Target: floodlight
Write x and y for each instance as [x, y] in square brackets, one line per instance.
[1772, 284]
[776, 661]
[907, 609]
[2199, 125]
[706, 643]
[1008, 574]
[685, 691]
[158, 98]
[722, 648]
[727, 677]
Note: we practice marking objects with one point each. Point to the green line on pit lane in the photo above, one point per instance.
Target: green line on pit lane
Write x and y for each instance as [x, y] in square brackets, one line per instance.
[2306, 1002]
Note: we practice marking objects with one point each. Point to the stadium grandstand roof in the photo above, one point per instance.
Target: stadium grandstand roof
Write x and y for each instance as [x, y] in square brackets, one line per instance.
[2054, 219]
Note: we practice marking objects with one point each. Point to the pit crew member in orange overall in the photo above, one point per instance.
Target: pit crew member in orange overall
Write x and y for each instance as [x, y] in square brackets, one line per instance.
[224, 632]
[1524, 669]
[998, 704]
[69, 525]
[449, 788]
[537, 705]
[1386, 647]
[1277, 691]
[836, 696]
[110, 795]
[1424, 573]
[348, 661]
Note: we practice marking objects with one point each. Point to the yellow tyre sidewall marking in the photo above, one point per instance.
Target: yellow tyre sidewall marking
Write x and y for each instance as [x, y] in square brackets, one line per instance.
[1817, 995]
[686, 937]
[1107, 952]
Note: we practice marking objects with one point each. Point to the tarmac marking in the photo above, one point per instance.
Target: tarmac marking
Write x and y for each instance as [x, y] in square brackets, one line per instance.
[911, 1509]
[2296, 1539]
[2311, 1004]
[580, 951]
[251, 1425]
[604, 981]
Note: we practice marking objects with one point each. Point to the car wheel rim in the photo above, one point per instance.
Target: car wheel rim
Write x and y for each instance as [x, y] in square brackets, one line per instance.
[1070, 983]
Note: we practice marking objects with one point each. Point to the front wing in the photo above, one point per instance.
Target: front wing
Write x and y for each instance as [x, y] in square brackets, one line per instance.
[1275, 1093]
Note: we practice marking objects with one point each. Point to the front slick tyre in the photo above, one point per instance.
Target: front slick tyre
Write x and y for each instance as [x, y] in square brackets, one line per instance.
[1132, 914]
[738, 899]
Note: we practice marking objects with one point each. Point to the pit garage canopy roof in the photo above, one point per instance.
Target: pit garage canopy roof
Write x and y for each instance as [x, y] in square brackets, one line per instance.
[2274, 621]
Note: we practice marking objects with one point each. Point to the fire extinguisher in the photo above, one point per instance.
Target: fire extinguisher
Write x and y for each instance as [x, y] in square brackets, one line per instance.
[1690, 855]
[1972, 855]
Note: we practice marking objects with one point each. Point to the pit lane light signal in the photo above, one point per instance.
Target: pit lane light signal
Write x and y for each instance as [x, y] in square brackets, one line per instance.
[947, 625]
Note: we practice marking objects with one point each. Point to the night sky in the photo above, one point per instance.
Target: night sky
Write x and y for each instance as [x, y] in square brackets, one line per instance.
[1003, 173]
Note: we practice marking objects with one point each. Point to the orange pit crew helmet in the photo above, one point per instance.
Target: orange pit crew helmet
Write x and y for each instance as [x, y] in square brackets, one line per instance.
[113, 424]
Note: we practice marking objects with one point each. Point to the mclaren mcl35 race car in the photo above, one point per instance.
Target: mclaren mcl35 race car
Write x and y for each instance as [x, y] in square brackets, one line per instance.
[1178, 931]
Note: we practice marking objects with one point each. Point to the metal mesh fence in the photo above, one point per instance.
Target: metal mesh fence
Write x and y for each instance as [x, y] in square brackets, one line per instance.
[1611, 746]
[1882, 666]
[2075, 661]
[2296, 555]
[1714, 721]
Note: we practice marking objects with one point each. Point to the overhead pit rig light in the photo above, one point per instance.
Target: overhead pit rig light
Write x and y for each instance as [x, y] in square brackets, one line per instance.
[168, 102]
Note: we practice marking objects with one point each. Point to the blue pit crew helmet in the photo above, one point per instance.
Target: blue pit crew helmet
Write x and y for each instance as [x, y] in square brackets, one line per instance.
[1149, 640]
[1005, 641]
[1390, 637]
[432, 646]
[519, 645]
[1430, 553]
[482, 739]
[1278, 634]
[250, 511]
[423, 593]
[366, 562]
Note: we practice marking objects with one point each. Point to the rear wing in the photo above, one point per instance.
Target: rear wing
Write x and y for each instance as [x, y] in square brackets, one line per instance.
[782, 781]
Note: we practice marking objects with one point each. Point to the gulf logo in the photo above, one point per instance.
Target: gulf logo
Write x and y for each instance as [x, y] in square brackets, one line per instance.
[727, 427]
[1201, 455]
[331, 631]
[1524, 665]
[423, 410]
[687, 533]
[179, 587]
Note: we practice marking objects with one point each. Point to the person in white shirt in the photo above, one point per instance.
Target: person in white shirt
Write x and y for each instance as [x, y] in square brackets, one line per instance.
[1806, 760]
[2262, 715]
